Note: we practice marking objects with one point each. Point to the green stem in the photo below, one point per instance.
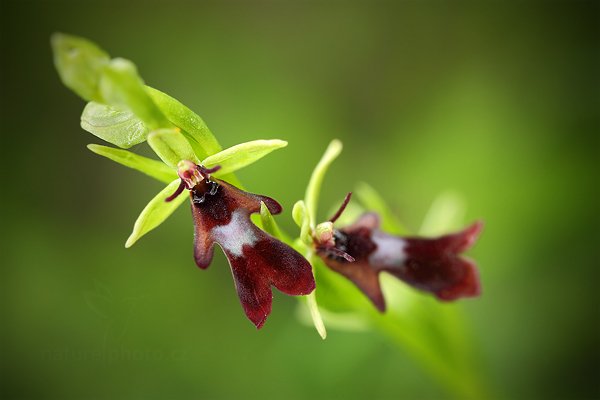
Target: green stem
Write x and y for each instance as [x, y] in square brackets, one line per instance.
[462, 382]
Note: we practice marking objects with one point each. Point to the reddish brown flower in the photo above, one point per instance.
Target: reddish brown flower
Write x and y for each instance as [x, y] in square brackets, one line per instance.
[258, 261]
[361, 251]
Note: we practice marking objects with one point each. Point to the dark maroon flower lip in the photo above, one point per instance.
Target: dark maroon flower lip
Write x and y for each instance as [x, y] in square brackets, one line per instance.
[432, 265]
[435, 265]
[221, 214]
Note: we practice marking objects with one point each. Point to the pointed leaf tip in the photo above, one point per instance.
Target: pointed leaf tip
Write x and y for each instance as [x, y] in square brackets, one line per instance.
[301, 218]
[315, 314]
[79, 63]
[155, 213]
[242, 155]
[269, 224]
[316, 179]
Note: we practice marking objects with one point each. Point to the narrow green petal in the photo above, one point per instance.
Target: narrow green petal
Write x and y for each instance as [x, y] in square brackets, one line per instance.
[340, 321]
[122, 87]
[148, 166]
[315, 314]
[316, 179]
[193, 127]
[372, 201]
[301, 218]
[119, 127]
[311, 299]
[79, 63]
[171, 146]
[155, 212]
[270, 226]
[242, 155]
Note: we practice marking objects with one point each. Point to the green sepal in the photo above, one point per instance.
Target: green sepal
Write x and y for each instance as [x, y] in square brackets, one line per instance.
[119, 127]
[171, 146]
[315, 314]
[155, 212]
[301, 218]
[269, 224]
[311, 299]
[79, 63]
[193, 127]
[122, 87]
[148, 166]
[313, 189]
[242, 155]
[341, 321]
[447, 213]
[372, 201]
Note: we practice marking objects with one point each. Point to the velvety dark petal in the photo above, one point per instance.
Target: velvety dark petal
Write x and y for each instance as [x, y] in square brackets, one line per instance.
[429, 264]
[468, 286]
[462, 241]
[252, 287]
[258, 261]
[356, 241]
[434, 265]
[363, 276]
[249, 201]
[203, 243]
[267, 263]
[289, 271]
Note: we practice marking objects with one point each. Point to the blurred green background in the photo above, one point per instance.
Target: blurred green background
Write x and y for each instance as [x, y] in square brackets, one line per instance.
[496, 100]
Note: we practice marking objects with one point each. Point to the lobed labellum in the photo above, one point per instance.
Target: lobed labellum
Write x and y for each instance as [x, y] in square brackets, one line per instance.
[432, 265]
[221, 214]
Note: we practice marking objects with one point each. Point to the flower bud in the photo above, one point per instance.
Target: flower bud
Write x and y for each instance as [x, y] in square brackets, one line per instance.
[324, 234]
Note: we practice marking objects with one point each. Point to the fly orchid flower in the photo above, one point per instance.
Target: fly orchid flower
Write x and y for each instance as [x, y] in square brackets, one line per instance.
[125, 112]
[361, 251]
[258, 261]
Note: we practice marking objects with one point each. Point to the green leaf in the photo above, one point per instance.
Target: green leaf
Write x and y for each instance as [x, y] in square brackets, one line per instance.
[119, 127]
[148, 166]
[242, 155]
[155, 212]
[171, 146]
[301, 218]
[372, 201]
[193, 127]
[79, 63]
[269, 224]
[311, 198]
[122, 87]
